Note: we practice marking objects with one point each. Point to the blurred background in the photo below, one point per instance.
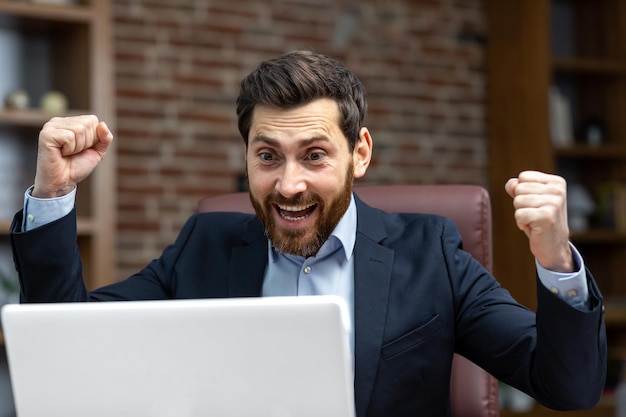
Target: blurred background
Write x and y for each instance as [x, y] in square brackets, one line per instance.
[460, 91]
[177, 70]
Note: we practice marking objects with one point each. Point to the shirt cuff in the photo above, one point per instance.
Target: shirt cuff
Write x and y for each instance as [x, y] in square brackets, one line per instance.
[41, 211]
[571, 287]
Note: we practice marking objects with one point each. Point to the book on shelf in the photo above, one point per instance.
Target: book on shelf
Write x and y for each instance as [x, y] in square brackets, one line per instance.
[561, 125]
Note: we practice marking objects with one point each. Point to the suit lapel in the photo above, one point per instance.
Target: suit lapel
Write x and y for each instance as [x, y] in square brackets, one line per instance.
[248, 262]
[372, 276]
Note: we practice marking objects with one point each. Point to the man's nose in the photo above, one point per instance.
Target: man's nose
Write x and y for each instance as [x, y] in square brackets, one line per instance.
[292, 180]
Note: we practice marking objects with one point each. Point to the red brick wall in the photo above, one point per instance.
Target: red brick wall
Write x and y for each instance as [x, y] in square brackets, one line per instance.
[178, 64]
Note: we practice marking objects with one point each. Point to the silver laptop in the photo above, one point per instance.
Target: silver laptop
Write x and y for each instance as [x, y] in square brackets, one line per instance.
[261, 357]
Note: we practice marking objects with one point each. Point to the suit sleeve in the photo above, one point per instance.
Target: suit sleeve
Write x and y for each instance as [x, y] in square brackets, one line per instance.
[48, 261]
[557, 355]
[50, 270]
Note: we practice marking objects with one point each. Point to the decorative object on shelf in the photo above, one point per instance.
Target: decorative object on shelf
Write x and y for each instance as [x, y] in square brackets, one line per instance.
[580, 206]
[17, 100]
[611, 210]
[53, 102]
[594, 132]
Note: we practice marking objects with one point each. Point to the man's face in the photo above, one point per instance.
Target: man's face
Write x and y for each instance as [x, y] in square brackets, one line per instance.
[300, 173]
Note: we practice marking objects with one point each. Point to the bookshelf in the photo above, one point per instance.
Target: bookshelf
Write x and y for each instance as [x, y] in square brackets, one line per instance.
[67, 48]
[580, 47]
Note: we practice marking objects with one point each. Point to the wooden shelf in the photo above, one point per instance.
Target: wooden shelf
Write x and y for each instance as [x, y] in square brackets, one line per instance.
[81, 34]
[31, 118]
[593, 66]
[600, 236]
[520, 129]
[47, 12]
[596, 152]
[575, 47]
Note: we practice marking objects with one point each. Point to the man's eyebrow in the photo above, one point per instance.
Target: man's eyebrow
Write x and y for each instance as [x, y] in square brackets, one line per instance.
[304, 142]
[265, 139]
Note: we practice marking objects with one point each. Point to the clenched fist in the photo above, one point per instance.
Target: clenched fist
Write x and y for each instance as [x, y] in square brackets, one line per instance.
[540, 202]
[69, 149]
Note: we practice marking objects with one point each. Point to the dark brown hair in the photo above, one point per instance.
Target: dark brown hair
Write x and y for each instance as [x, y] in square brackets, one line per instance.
[298, 78]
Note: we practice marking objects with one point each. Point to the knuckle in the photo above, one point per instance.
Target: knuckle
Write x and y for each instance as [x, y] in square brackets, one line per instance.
[91, 119]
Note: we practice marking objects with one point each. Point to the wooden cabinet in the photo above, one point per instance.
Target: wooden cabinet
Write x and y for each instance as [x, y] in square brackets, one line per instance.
[578, 49]
[66, 48]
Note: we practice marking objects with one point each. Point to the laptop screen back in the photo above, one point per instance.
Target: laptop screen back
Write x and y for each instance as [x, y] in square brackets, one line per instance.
[278, 357]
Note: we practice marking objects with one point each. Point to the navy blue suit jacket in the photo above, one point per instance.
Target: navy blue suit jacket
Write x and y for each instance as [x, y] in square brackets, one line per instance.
[418, 298]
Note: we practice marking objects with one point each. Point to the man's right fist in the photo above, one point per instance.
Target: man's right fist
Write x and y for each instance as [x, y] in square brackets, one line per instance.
[69, 150]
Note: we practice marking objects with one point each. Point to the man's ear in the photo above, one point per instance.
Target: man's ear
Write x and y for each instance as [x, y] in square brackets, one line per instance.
[362, 154]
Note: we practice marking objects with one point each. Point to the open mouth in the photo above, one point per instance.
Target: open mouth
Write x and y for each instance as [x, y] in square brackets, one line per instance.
[295, 213]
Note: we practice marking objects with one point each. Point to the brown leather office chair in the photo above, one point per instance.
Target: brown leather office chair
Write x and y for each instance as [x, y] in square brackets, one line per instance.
[474, 393]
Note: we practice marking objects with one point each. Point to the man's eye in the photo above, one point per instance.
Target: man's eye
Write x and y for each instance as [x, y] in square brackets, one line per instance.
[266, 156]
[316, 156]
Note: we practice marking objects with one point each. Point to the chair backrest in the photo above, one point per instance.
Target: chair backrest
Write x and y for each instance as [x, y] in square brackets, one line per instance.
[474, 393]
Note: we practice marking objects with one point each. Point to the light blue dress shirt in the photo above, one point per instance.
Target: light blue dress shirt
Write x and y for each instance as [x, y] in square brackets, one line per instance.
[329, 272]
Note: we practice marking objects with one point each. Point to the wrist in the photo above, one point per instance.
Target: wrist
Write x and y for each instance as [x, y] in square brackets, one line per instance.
[43, 192]
[562, 261]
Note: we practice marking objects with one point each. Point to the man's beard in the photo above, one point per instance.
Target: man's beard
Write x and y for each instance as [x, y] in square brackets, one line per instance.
[296, 241]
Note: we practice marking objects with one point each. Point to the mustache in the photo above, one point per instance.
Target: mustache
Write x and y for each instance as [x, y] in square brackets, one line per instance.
[297, 200]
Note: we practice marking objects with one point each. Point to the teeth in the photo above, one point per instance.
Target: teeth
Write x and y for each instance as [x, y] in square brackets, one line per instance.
[293, 219]
[285, 210]
[295, 208]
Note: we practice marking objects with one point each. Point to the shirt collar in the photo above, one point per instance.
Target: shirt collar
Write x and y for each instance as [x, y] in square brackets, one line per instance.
[344, 235]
